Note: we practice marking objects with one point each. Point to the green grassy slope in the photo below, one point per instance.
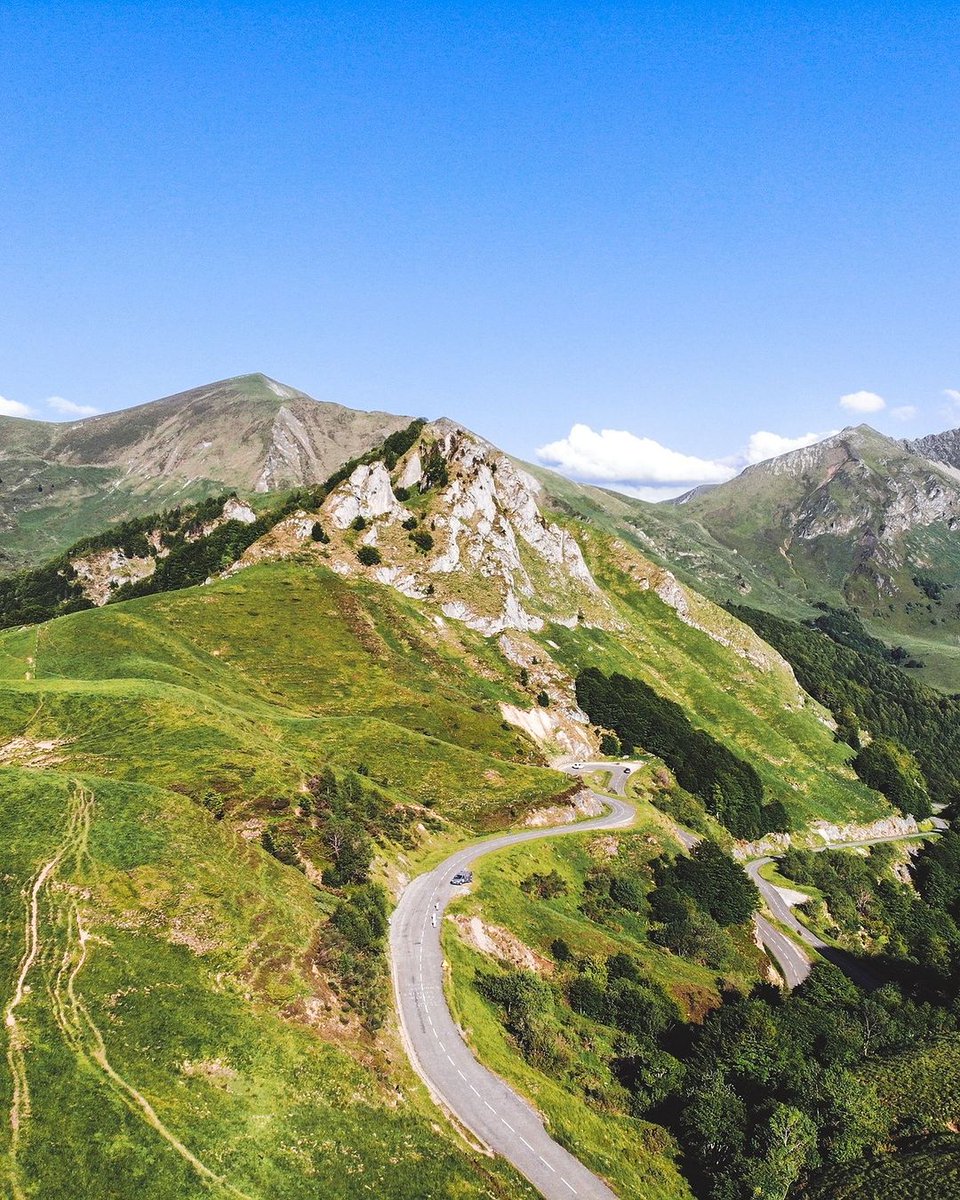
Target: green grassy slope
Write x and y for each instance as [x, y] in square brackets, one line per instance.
[747, 700]
[185, 1014]
[174, 1036]
[183, 1007]
[253, 683]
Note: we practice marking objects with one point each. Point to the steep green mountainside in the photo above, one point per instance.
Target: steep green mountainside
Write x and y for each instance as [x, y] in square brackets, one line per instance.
[210, 794]
[65, 481]
[858, 520]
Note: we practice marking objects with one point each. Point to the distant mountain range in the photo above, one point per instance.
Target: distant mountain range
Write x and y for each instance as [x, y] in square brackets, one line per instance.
[63, 481]
[858, 520]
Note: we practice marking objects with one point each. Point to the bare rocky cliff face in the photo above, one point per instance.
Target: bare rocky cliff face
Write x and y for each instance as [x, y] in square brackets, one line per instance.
[494, 561]
[940, 448]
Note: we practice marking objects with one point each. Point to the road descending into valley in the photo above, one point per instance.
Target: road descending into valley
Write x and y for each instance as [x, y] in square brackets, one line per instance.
[794, 963]
[475, 1096]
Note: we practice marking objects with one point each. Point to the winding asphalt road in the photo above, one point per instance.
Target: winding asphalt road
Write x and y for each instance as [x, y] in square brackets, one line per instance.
[793, 962]
[497, 1117]
[478, 1099]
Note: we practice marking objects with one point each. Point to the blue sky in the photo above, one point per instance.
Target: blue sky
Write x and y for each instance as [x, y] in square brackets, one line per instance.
[684, 225]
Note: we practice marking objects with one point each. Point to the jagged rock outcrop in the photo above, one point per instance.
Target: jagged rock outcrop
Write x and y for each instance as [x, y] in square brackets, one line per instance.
[487, 554]
[941, 448]
[368, 494]
[102, 572]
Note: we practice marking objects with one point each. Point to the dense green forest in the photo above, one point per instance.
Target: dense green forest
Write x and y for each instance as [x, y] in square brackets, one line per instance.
[772, 1094]
[728, 787]
[864, 689]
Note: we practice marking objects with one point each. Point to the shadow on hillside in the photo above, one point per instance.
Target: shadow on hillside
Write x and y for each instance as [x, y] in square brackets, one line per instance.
[869, 978]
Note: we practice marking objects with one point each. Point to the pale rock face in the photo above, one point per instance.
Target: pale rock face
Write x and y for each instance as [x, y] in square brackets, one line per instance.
[670, 592]
[831, 835]
[515, 490]
[233, 510]
[449, 560]
[583, 804]
[885, 827]
[367, 493]
[236, 510]
[487, 511]
[100, 573]
[290, 447]
[512, 617]
[302, 526]
[412, 472]
[551, 728]
[486, 526]
[394, 577]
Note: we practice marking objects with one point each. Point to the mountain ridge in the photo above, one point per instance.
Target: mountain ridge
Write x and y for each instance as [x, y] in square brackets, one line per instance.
[64, 480]
[856, 520]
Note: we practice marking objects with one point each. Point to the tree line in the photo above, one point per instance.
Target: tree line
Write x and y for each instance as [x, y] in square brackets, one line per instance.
[728, 787]
[918, 729]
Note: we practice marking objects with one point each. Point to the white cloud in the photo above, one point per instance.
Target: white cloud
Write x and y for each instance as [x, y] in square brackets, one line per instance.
[863, 402]
[763, 445]
[617, 456]
[642, 467]
[953, 395]
[905, 412]
[69, 409]
[13, 408]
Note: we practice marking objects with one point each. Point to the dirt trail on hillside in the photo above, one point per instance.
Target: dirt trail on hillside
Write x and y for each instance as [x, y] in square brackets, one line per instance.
[62, 952]
[78, 824]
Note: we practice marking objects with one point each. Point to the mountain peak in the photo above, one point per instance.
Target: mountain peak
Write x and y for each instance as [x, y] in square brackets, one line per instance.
[247, 433]
[940, 448]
